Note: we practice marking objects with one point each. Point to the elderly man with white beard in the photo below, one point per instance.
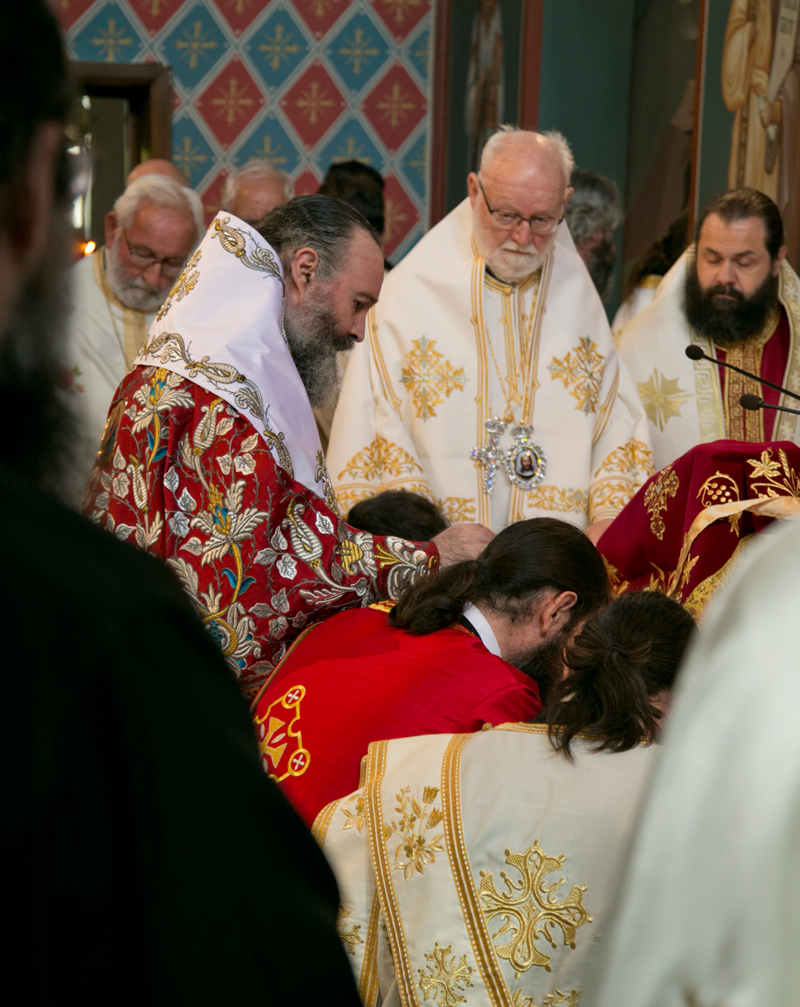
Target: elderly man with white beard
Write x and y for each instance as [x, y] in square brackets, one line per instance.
[149, 234]
[490, 381]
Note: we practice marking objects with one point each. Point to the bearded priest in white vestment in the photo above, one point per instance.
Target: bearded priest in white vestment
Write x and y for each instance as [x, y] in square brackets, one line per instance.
[491, 382]
[734, 295]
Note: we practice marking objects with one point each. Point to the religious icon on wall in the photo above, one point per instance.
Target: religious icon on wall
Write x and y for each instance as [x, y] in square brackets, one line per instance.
[483, 105]
[761, 86]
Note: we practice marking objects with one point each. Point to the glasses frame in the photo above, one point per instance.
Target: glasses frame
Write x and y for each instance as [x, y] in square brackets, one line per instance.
[167, 267]
[534, 223]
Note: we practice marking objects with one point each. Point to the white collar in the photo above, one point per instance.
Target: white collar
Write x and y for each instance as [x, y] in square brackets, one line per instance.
[481, 626]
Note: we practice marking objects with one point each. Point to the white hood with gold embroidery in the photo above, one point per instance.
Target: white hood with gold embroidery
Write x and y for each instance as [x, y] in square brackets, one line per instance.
[221, 328]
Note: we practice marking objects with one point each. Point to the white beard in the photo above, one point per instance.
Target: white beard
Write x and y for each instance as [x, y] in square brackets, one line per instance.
[134, 294]
[506, 262]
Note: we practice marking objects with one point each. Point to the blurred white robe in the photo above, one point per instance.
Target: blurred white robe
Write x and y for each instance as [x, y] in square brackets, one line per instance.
[711, 907]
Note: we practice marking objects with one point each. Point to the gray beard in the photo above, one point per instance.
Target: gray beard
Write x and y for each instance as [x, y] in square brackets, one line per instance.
[134, 294]
[315, 341]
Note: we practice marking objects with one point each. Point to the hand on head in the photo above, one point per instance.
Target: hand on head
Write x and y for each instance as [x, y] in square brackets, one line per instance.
[460, 542]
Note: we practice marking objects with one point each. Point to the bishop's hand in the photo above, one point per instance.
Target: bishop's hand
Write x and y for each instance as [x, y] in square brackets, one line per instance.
[460, 542]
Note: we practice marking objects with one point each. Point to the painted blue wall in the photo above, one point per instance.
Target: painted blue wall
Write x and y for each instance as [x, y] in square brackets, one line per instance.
[584, 85]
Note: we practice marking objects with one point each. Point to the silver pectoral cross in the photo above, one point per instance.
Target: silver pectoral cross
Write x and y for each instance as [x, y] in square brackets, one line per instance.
[490, 455]
[524, 462]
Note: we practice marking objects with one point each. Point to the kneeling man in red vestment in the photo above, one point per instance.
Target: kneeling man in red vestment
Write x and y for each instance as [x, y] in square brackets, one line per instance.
[467, 646]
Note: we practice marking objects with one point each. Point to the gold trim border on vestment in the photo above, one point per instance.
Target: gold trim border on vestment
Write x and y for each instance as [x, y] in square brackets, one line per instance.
[369, 981]
[604, 416]
[474, 920]
[380, 363]
[376, 767]
[482, 398]
[786, 427]
[518, 498]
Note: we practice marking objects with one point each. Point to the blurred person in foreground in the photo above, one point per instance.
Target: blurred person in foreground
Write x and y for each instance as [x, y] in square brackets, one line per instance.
[254, 189]
[140, 830]
[471, 645]
[710, 909]
[495, 858]
[210, 459]
[593, 216]
[117, 291]
[490, 380]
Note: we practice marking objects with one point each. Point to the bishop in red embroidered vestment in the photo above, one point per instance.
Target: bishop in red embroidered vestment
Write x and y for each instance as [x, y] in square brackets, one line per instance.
[355, 679]
[211, 461]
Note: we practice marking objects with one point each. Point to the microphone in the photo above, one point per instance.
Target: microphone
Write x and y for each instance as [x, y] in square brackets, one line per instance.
[695, 353]
[754, 403]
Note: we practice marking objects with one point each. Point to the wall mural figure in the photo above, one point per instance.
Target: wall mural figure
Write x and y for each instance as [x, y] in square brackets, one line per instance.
[483, 107]
[761, 86]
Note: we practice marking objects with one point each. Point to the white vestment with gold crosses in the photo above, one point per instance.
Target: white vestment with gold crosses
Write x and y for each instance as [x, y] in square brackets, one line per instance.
[482, 868]
[104, 338]
[682, 397]
[449, 347]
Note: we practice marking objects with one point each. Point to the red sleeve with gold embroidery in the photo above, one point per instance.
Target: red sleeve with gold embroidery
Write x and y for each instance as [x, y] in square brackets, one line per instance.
[184, 476]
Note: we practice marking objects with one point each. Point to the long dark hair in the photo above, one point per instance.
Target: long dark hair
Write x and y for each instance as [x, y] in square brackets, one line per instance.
[622, 658]
[519, 562]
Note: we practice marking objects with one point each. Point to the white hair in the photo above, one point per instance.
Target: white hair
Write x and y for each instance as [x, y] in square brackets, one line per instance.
[513, 136]
[162, 192]
[254, 171]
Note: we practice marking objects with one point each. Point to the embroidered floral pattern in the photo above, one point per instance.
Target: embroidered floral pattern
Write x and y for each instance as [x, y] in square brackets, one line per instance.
[657, 496]
[530, 909]
[581, 374]
[662, 398]
[185, 283]
[445, 977]
[348, 934]
[416, 848]
[354, 819]
[380, 458]
[260, 555]
[557, 498]
[634, 459]
[457, 509]
[776, 478]
[429, 377]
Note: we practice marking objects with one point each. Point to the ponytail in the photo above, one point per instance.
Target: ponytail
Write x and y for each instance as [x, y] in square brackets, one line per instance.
[438, 600]
[626, 655]
[518, 563]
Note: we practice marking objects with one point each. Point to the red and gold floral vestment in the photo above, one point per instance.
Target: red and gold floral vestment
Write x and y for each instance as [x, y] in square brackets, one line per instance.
[185, 476]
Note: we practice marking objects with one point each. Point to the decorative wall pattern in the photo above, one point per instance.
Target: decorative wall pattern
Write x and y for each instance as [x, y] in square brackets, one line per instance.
[299, 82]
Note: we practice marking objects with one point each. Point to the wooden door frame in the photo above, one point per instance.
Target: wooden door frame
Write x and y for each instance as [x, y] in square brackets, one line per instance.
[530, 67]
[147, 87]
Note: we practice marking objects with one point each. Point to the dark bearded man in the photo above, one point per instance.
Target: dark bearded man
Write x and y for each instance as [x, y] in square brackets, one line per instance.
[733, 294]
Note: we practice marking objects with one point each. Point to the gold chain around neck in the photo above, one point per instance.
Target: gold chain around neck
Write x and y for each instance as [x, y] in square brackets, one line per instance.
[510, 385]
